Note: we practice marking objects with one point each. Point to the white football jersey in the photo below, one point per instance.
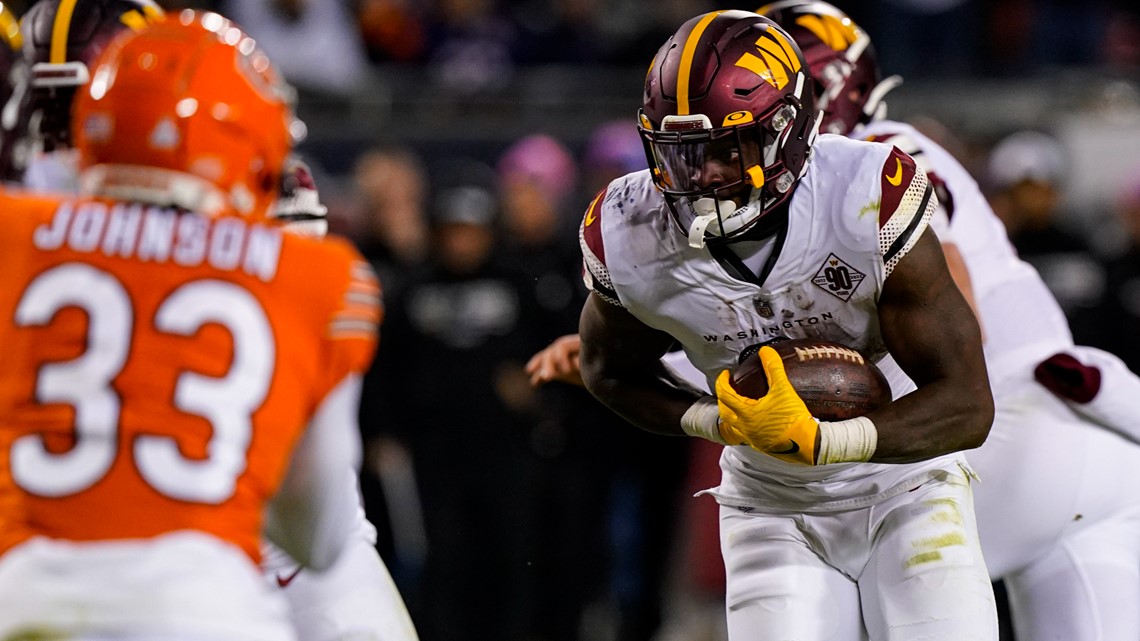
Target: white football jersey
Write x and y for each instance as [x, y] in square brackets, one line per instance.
[857, 211]
[1005, 287]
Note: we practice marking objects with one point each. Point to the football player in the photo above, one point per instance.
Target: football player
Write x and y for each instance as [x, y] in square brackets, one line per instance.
[165, 398]
[356, 597]
[1059, 506]
[747, 226]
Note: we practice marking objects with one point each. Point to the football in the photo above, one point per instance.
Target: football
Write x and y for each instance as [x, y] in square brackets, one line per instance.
[834, 381]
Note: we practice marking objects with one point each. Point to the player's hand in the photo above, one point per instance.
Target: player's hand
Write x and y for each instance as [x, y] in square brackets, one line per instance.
[778, 423]
[557, 362]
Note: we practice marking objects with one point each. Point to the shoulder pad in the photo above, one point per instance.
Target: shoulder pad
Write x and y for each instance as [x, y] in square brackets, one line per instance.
[906, 204]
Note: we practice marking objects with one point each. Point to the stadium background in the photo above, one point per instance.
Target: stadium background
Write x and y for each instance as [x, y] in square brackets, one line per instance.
[425, 115]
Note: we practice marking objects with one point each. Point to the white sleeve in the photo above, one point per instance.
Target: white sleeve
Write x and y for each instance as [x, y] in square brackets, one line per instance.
[313, 514]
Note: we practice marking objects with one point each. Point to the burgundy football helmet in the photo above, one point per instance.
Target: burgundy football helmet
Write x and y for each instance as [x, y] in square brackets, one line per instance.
[850, 87]
[12, 71]
[298, 205]
[728, 120]
[61, 38]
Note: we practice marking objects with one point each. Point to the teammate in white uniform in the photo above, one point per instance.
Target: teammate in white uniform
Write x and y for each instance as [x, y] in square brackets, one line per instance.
[733, 237]
[355, 599]
[1058, 505]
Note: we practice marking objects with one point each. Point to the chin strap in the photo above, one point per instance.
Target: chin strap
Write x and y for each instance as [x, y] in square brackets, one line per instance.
[708, 217]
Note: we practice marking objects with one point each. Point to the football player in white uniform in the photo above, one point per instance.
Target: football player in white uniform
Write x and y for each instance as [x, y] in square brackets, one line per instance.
[355, 599]
[1059, 503]
[829, 531]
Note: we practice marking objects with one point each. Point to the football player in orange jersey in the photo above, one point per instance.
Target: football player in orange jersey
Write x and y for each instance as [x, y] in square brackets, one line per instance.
[164, 398]
[356, 598]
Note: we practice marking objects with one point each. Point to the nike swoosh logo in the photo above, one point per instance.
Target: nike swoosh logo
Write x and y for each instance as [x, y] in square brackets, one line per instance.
[791, 450]
[282, 582]
[897, 178]
[590, 215]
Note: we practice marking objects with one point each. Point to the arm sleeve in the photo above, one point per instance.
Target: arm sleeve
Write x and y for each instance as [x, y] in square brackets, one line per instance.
[314, 514]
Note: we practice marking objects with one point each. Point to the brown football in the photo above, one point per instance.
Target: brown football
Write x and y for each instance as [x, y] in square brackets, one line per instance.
[834, 381]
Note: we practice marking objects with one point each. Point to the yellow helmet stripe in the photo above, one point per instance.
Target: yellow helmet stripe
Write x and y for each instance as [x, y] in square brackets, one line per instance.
[686, 67]
[11, 27]
[59, 30]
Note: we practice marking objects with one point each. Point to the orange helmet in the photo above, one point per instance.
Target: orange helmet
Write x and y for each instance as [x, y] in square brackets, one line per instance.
[187, 112]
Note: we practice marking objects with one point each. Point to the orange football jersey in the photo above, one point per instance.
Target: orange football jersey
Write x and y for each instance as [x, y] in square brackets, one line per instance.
[157, 368]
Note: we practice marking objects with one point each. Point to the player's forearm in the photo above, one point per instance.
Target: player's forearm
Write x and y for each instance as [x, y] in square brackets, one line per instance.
[312, 515]
[648, 403]
[940, 417]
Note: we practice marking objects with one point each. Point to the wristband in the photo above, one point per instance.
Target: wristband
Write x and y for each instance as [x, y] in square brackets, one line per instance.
[850, 441]
[702, 419]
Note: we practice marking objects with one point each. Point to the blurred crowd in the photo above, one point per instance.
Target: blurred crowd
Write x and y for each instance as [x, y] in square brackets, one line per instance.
[481, 41]
[543, 514]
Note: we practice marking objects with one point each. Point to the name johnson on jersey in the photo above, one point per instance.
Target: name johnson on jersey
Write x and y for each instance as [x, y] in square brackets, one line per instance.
[155, 234]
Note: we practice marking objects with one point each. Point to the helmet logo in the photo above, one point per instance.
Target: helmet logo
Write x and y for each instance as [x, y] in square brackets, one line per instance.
[837, 33]
[776, 61]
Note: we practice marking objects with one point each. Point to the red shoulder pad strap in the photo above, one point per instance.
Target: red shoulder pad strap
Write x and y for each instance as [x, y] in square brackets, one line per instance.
[898, 172]
[592, 228]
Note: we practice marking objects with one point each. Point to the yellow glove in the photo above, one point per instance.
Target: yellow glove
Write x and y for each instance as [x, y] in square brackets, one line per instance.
[778, 423]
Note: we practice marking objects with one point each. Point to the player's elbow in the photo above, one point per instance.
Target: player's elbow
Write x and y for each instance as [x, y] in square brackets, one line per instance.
[323, 555]
[594, 377]
[979, 417]
[602, 387]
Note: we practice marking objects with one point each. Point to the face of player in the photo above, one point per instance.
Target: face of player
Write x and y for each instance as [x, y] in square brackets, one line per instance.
[703, 166]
